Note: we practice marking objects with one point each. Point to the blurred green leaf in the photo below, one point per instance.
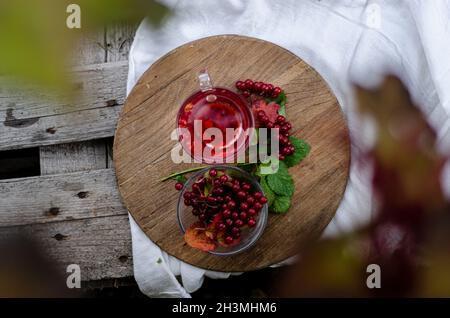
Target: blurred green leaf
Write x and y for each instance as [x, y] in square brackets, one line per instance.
[36, 42]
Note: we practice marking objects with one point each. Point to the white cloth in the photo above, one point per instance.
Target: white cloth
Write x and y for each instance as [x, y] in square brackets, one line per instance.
[345, 41]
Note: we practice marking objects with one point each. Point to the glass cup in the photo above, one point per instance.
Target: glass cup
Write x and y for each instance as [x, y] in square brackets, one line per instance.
[214, 124]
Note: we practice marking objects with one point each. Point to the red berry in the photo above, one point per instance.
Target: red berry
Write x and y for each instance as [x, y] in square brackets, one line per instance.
[231, 204]
[281, 119]
[228, 240]
[257, 195]
[244, 206]
[288, 125]
[246, 93]
[251, 212]
[178, 186]
[245, 187]
[236, 187]
[202, 217]
[187, 202]
[243, 216]
[258, 86]
[240, 85]
[234, 215]
[250, 200]
[257, 206]
[237, 235]
[223, 179]
[211, 199]
[241, 195]
[187, 195]
[264, 120]
[226, 213]
[229, 222]
[276, 92]
[221, 227]
[249, 84]
[269, 89]
[213, 172]
[235, 230]
[251, 222]
[264, 88]
[263, 200]
[281, 157]
[269, 125]
[283, 139]
[228, 198]
[239, 223]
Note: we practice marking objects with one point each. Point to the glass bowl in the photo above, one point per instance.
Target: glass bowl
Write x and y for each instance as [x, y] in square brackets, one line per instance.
[249, 236]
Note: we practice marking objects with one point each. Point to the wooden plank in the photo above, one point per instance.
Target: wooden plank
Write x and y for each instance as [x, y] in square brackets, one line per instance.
[89, 49]
[44, 199]
[28, 122]
[95, 86]
[79, 156]
[119, 38]
[101, 245]
[69, 127]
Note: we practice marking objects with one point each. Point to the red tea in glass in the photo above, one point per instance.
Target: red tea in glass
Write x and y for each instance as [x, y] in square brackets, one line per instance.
[217, 108]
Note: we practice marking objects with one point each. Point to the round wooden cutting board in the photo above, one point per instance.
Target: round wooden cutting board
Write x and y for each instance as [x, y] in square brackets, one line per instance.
[143, 144]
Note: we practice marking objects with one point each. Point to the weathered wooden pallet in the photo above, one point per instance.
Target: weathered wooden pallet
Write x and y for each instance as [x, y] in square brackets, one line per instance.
[73, 210]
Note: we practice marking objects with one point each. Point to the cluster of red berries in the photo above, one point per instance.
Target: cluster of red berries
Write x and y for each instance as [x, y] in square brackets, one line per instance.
[286, 147]
[248, 87]
[231, 203]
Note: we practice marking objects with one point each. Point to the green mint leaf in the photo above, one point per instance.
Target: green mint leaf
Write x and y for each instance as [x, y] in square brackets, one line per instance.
[302, 148]
[281, 204]
[207, 190]
[281, 100]
[180, 178]
[269, 167]
[269, 194]
[281, 182]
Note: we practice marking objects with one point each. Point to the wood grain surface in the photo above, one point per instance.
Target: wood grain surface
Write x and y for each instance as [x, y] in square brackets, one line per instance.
[142, 146]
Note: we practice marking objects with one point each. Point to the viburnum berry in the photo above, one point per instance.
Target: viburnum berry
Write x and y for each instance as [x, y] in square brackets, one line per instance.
[223, 178]
[240, 85]
[263, 200]
[228, 240]
[246, 93]
[281, 119]
[213, 172]
[251, 222]
[179, 186]
[276, 92]
[258, 86]
[226, 213]
[249, 85]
